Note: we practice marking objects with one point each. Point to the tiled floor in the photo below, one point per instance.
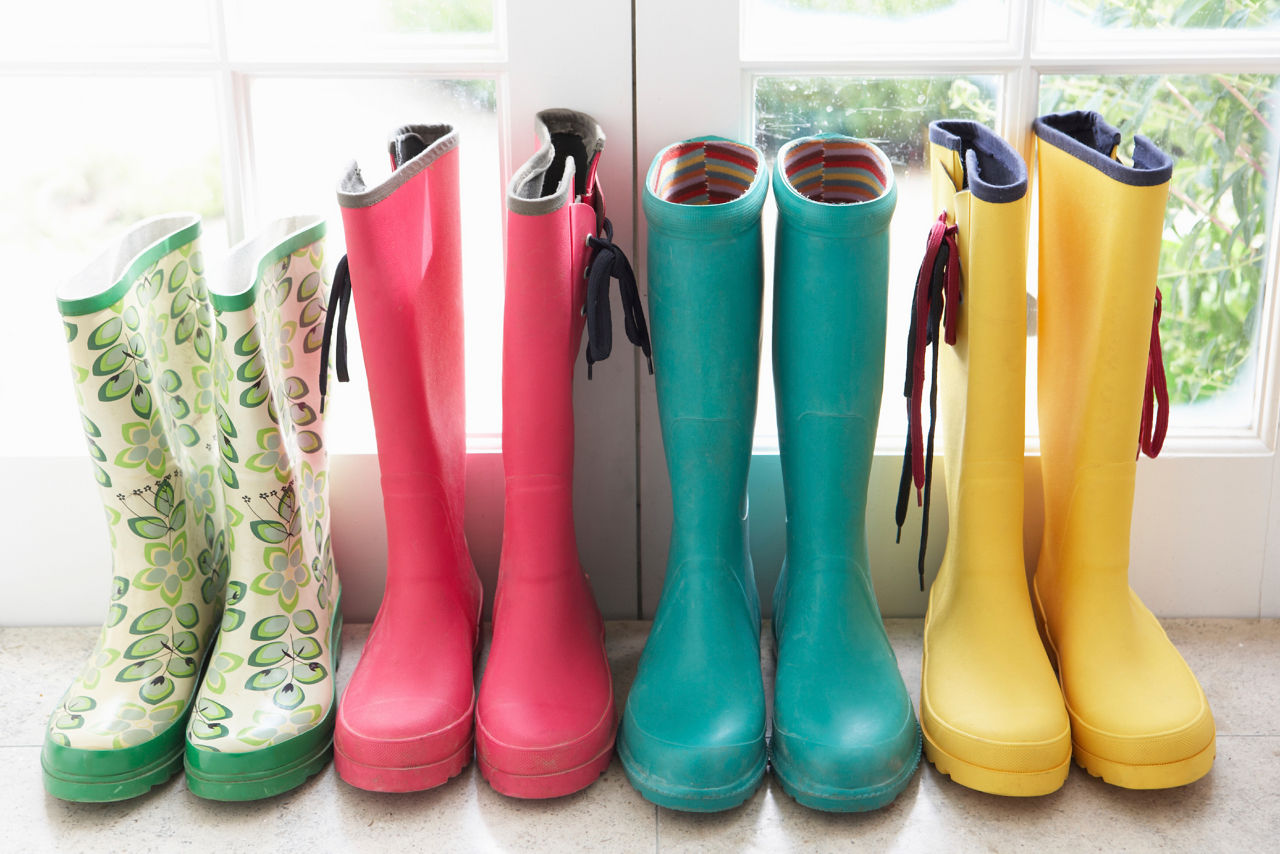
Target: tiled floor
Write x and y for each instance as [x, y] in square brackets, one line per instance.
[1235, 808]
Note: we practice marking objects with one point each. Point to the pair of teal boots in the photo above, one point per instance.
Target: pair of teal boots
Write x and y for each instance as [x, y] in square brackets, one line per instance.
[693, 736]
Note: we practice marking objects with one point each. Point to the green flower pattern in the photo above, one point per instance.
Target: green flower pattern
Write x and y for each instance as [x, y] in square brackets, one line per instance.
[153, 455]
[270, 676]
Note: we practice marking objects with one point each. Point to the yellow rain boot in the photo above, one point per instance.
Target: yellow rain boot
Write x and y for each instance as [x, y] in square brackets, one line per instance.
[991, 712]
[1138, 716]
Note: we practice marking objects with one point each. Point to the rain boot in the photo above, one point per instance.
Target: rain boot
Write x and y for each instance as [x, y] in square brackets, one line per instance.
[992, 714]
[1138, 716]
[545, 721]
[405, 722]
[845, 736]
[140, 330]
[263, 719]
[693, 731]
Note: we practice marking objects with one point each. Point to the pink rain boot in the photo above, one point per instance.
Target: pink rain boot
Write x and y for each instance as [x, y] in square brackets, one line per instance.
[404, 723]
[545, 720]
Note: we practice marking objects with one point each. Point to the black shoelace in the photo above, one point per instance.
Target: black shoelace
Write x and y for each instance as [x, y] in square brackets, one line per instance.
[335, 317]
[609, 262]
[937, 287]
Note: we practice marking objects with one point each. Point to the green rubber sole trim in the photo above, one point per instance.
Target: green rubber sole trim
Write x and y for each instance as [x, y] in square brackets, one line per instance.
[292, 243]
[689, 798]
[272, 770]
[836, 799]
[144, 259]
[92, 789]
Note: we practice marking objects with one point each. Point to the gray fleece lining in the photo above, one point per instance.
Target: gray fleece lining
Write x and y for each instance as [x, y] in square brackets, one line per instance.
[106, 269]
[240, 272]
[523, 193]
[438, 139]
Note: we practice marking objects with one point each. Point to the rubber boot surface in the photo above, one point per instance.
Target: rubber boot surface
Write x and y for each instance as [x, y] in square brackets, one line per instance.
[1139, 718]
[406, 720]
[693, 733]
[845, 736]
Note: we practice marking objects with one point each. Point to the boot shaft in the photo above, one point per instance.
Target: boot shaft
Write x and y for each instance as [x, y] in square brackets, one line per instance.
[702, 201]
[404, 249]
[836, 196]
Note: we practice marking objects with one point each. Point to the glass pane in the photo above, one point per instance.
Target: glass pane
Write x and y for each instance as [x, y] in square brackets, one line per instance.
[95, 155]
[803, 27]
[1219, 129]
[297, 165]
[254, 28]
[1065, 18]
[85, 29]
[894, 113]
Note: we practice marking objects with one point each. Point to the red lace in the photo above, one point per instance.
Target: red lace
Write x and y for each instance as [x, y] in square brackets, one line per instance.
[1156, 394]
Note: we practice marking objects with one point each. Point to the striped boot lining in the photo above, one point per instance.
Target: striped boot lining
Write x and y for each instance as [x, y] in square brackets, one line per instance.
[705, 172]
[838, 172]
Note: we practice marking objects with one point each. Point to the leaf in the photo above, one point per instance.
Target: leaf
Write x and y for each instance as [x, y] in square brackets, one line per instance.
[115, 613]
[235, 592]
[140, 670]
[308, 673]
[252, 369]
[80, 704]
[188, 615]
[200, 729]
[287, 504]
[265, 680]
[305, 621]
[227, 449]
[254, 395]
[131, 318]
[110, 361]
[178, 276]
[106, 334]
[268, 654]
[295, 388]
[248, 343]
[144, 647]
[156, 690]
[119, 587]
[151, 622]
[270, 628]
[143, 368]
[307, 648]
[314, 339]
[309, 441]
[185, 329]
[117, 387]
[141, 401]
[148, 527]
[137, 345]
[301, 414]
[170, 381]
[311, 313]
[188, 436]
[66, 721]
[182, 667]
[228, 475]
[225, 427]
[167, 712]
[212, 711]
[288, 696]
[203, 345]
[256, 736]
[232, 619]
[308, 287]
[269, 530]
[179, 517]
[186, 642]
[164, 498]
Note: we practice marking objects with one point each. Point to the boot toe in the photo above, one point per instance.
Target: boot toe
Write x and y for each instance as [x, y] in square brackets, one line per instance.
[401, 731]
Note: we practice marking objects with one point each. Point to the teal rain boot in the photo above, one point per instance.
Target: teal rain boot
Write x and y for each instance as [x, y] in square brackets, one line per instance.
[693, 733]
[845, 737]
[140, 333]
[264, 716]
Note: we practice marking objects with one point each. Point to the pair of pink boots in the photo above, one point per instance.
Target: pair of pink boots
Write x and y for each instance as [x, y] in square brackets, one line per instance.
[544, 721]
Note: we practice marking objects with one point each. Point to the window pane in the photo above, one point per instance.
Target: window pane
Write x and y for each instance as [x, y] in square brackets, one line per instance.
[832, 27]
[94, 156]
[1219, 129]
[1064, 18]
[894, 113]
[88, 29]
[297, 164]
[256, 29]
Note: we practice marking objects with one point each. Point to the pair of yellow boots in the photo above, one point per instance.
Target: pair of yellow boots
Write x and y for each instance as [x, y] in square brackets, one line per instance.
[994, 716]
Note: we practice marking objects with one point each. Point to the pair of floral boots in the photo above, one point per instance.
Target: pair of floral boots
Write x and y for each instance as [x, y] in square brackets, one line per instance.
[201, 409]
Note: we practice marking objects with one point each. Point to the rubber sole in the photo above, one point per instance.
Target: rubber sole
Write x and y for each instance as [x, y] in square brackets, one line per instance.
[688, 798]
[995, 781]
[411, 778]
[272, 770]
[120, 787]
[541, 786]
[817, 796]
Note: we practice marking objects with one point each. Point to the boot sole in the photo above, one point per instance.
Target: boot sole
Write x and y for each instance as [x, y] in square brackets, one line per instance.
[817, 796]
[120, 787]
[409, 778]
[542, 786]
[276, 769]
[688, 798]
[995, 781]
[1164, 775]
